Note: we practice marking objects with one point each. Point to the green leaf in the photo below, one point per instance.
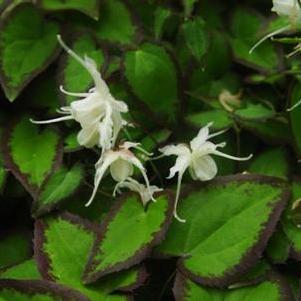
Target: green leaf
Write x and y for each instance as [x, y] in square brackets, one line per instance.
[32, 154]
[228, 224]
[254, 111]
[196, 37]
[24, 271]
[272, 130]
[278, 247]
[150, 142]
[295, 117]
[61, 185]
[71, 143]
[75, 77]
[36, 290]
[272, 289]
[221, 119]
[14, 248]
[273, 162]
[144, 69]
[64, 243]
[245, 27]
[28, 45]
[131, 228]
[161, 15]
[291, 220]
[115, 23]
[188, 6]
[88, 7]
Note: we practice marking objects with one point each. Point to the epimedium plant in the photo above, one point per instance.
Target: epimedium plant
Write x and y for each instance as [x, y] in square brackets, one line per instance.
[96, 98]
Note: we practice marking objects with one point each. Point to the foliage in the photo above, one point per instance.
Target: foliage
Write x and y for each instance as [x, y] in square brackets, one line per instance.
[177, 65]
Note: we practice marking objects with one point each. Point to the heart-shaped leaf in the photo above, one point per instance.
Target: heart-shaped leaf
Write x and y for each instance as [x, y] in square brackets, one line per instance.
[27, 270]
[28, 45]
[88, 7]
[273, 162]
[75, 78]
[37, 290]
[115, 23]
[62, 246]
[134, 230]
[61, 185]
[31, 154]
[228, 226]
[144, 69]
[272, 289]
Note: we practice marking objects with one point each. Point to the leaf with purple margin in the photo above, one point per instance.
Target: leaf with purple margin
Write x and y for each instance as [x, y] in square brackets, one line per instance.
[28, 45]
[62, 245]
[31, 154]
[228, 224]
[272, 289]
[37, 290]
[133, 229]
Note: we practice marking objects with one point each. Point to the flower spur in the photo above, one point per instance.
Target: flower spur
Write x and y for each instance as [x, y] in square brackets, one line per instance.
[197, 158]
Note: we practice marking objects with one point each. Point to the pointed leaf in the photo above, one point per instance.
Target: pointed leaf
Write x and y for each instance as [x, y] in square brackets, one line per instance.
[115, 23]
[88, 7]
[75, 78]
[27, 270]
[61, 185]
[28, 45]
[131, 228]
[62, 246]
[228, 224]
[31, 154]
[196, 36]
[144, 69]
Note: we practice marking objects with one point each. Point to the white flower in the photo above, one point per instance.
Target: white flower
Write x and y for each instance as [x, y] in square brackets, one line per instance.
[196, 157]
[121, 163]
[289, 8]
[146, 193]
[98, 112]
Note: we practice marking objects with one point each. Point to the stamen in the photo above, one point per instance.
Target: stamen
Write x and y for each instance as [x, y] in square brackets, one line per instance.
[180, 175]
[51, 120]
[297, 104]
[218, 153]
[72, 93]
[270, 35]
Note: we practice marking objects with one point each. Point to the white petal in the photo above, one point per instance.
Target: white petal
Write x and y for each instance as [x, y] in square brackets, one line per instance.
[89, 136]
[177, 150]
[181, 165]
[201, 137]
[103, 165]
[106, 129]
[121, 170]
[64, 118]
[203, 168]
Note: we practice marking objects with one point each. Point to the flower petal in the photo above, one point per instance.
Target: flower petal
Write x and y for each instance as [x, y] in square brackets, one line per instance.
[121, 170]
[203, 168]
[181, 165]
[177, 150]
[88, 136]
[201, 137]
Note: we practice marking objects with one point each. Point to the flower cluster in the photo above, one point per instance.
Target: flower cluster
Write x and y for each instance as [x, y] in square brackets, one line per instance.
[100, 117]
